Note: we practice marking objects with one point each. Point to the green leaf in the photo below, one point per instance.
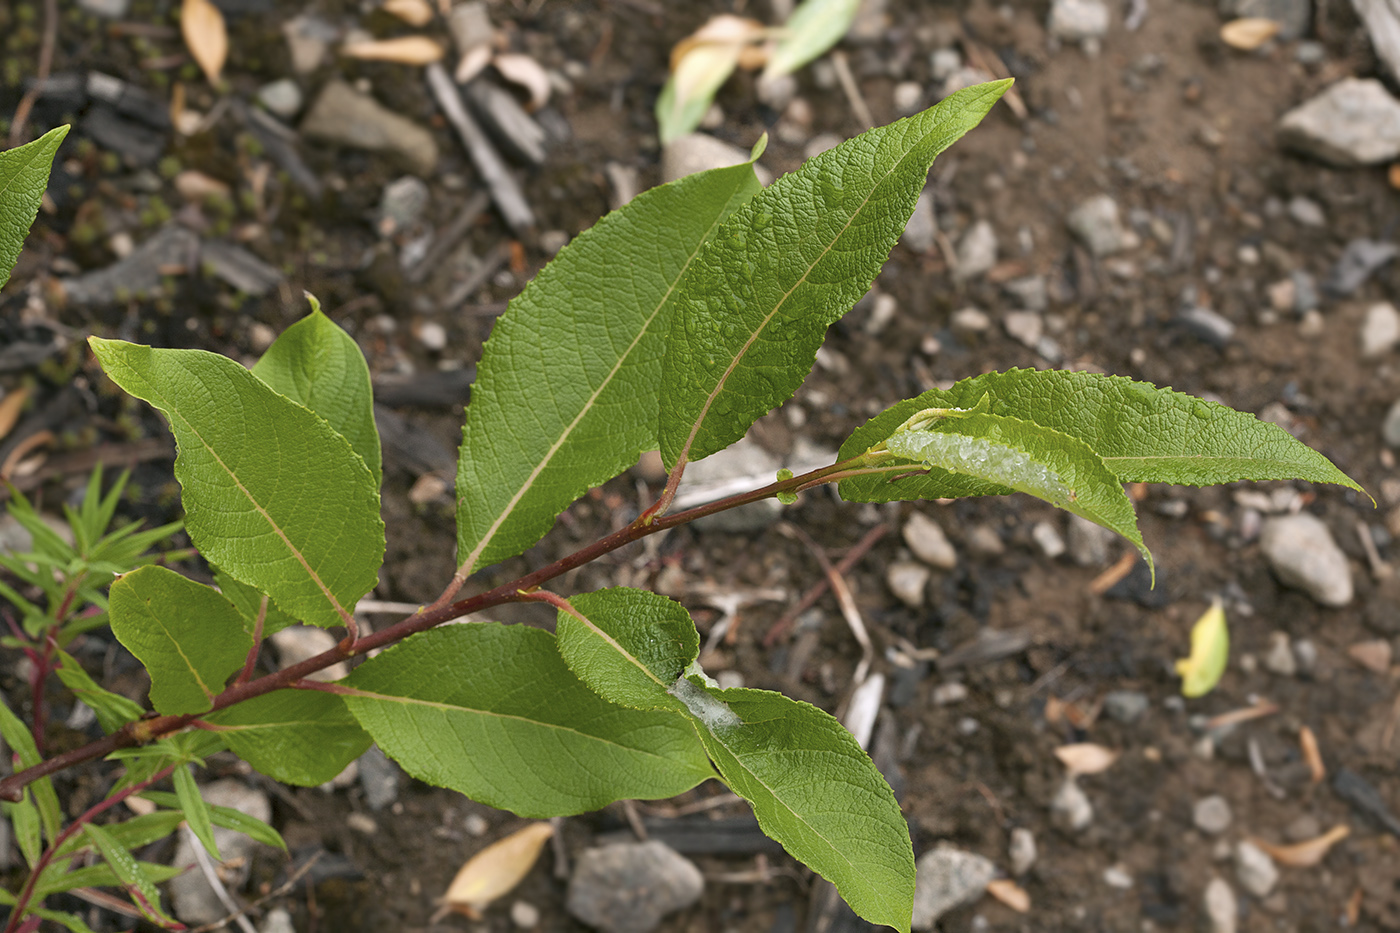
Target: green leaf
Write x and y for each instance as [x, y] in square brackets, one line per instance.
[113, 710]
[303, 737]
[272, 494]
[132, 833]
[24, 820]
[318, 365]
[504, 721]
[566, 392]
[1142, 433]
[700, 64]
[628, 645]
[21, 741]
[752, 311]
[1210, 652]
[813, 27]
[195, 809]
[129, 873]
[1023, 456]
[227, 817]
[100, 876]
[814, 790]
[24, 174]
[62, 918]
[188, 636]
[248, 601]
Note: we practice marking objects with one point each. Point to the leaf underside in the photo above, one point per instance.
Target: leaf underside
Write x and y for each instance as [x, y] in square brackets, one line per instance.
[303, 737]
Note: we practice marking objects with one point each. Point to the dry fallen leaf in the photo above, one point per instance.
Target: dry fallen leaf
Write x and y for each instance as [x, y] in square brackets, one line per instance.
[700, 63]
[1312, 754]
[496, 869]
[408, 50]
[1210, 650]
[1086, 758]
[1248, 33]
[1374, 655]
[413, 12]
[10, 407]
[1307, 853]
[202, 25]
[526, 72]
[197, 186]
[1010, 893]
[472, 62]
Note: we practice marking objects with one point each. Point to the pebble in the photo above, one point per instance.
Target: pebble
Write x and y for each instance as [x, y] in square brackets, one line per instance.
[107, 9]
[343, 116]
[1208, 325]
[1279, 658]
[1305, 655]
[297, 643]
[921, 233]
[1254, 870]
[776, 92]
[984, 541]
[401, 203]
[1125, 706]
[926, 539]
[700, 152]
[1021, 850]
[1070, 808]
[1375, 655]
[1352, 123]
[1306, 211]
[1077, 20]
[1303, 555]
[944, 63]
[1031, 292]
[1390, 427]
[821, 143]
[470, 25]
[1381, 330]
[949, 693]
[1361, 259]
[277, 920]
[140, 274]
[1222, 909]
[1303, 828]
[1117, 876]
[552, 241]
[624, 182]
[907, 580]
[1090, 544]
[524, 915]
[1048, 539]
[1212, 815]
[1293, 16]
[1025, 327]
[884, 308]
[191, 897]
[629, 887]
[970, 321]
[379, 779]
[282, 97]
[977, 251]
[908, 95]
[1097, 225]
[309, 38]
[945, 878]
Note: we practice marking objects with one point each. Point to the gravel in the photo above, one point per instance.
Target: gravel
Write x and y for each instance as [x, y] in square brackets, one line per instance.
[1097, 225]
[630, 887]
[945, 878]
[1303, 555]
[1380, 332]
[1021, 850]
[907, 580]
[1221, 907]
[1254, 870]
[1352, 123]
[1211, 815]
[343, 116]
[1070, 808]
[926, 539]
[977, 251]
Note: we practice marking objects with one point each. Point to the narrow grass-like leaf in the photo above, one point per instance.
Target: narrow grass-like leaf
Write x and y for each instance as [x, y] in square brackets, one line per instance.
[21, 741]
[566, 391]
[24, 821]
[195, 809]
[814, 790]
[814, 27]
[505, 722]
[753, 309]
[71, 922]
[226, 817]
[1025, 457]
[113, 710]
[1141, 432]
[272, 493]
[318, 365]
[303, 737]
[24, 174]
[248, 602]
[100, 876]
[129, 873]
[132, 833]
[628, 645]
[189, 638]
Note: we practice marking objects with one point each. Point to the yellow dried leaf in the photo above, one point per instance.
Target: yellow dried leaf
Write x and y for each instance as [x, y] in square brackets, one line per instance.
[1312, 754]
[1307, 853]
[526, 72]
[497, 869]
[413, 12]
[408, 50]
[10, 407]
[1010, 893]
[700, 63]
[1210, 649]
[206, 37]
[1086, 758]
[1248, 33]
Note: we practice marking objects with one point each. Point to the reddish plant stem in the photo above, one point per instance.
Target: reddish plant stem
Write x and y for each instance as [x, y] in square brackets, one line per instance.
[69, 832]
[155, 726]
[252, 659]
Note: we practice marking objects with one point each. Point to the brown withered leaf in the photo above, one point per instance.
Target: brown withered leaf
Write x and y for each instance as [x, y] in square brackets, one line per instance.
[10, 407]
[1248, 33]
[1010, 893]
[1312, 754]
[1307, 853]
[496, 869]
[206, 37]
[1086, 758]
[413, 12]
[526, 72]
[407, 50]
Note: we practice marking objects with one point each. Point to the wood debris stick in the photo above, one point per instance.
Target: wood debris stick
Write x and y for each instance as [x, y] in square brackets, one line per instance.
[280, 891]
[1312, 754]
[1380, 570]
[1382, 21]
[505, 191]
[1236, 716]
[206, 867]
[1261, 770]
[849, 609]
[444, 241]
[848, 561]
[490, 264]
[46, 45]
[1110, 577]
[12, 463]
[852, 90]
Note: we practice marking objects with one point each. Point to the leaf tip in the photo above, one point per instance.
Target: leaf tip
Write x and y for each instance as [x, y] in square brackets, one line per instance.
[759, 148]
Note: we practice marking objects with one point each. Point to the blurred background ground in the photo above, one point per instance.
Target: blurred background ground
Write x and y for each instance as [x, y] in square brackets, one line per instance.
[1138, 211]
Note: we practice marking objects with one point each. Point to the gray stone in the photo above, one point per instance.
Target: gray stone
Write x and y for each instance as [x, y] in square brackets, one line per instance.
[402, 203]
[977, 251]
[309, 38]
[1254, 869]
[140, 274]
[1118, 876]
[1048, 539]
[949, 693]
[967, 321]
[1070, 808]
[1025, 327]
[1380, 332]
[1293, 16]
[1278, 659]
[343, 116]
[700, 152]
[1390, 427]
[817, 145]
[906, 580]
[1125, 706]
[1021, 850]
[1221, 906]
[191, 897]
[908, 97]
[1077, 20]
[1303, 555]
[630, 887]
[921, 233]
[107, 9]
[1090, 544]
[776, 92]
[1354, 122]
[470, 25]
[1212, 815]
[947, 877]
[1306, 211]
[1305, 655]
[379, 779]
[984, 541]
[238, 267]
[298, 643]
[1210, 326]
[944, 63]
[1361, 259]
[742, 466]
[283, 97]
[1030, 292]
[1097, 225]
[926, 539]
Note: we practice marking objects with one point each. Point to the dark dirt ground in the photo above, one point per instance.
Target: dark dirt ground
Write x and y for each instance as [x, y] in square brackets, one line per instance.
[1130, 122]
